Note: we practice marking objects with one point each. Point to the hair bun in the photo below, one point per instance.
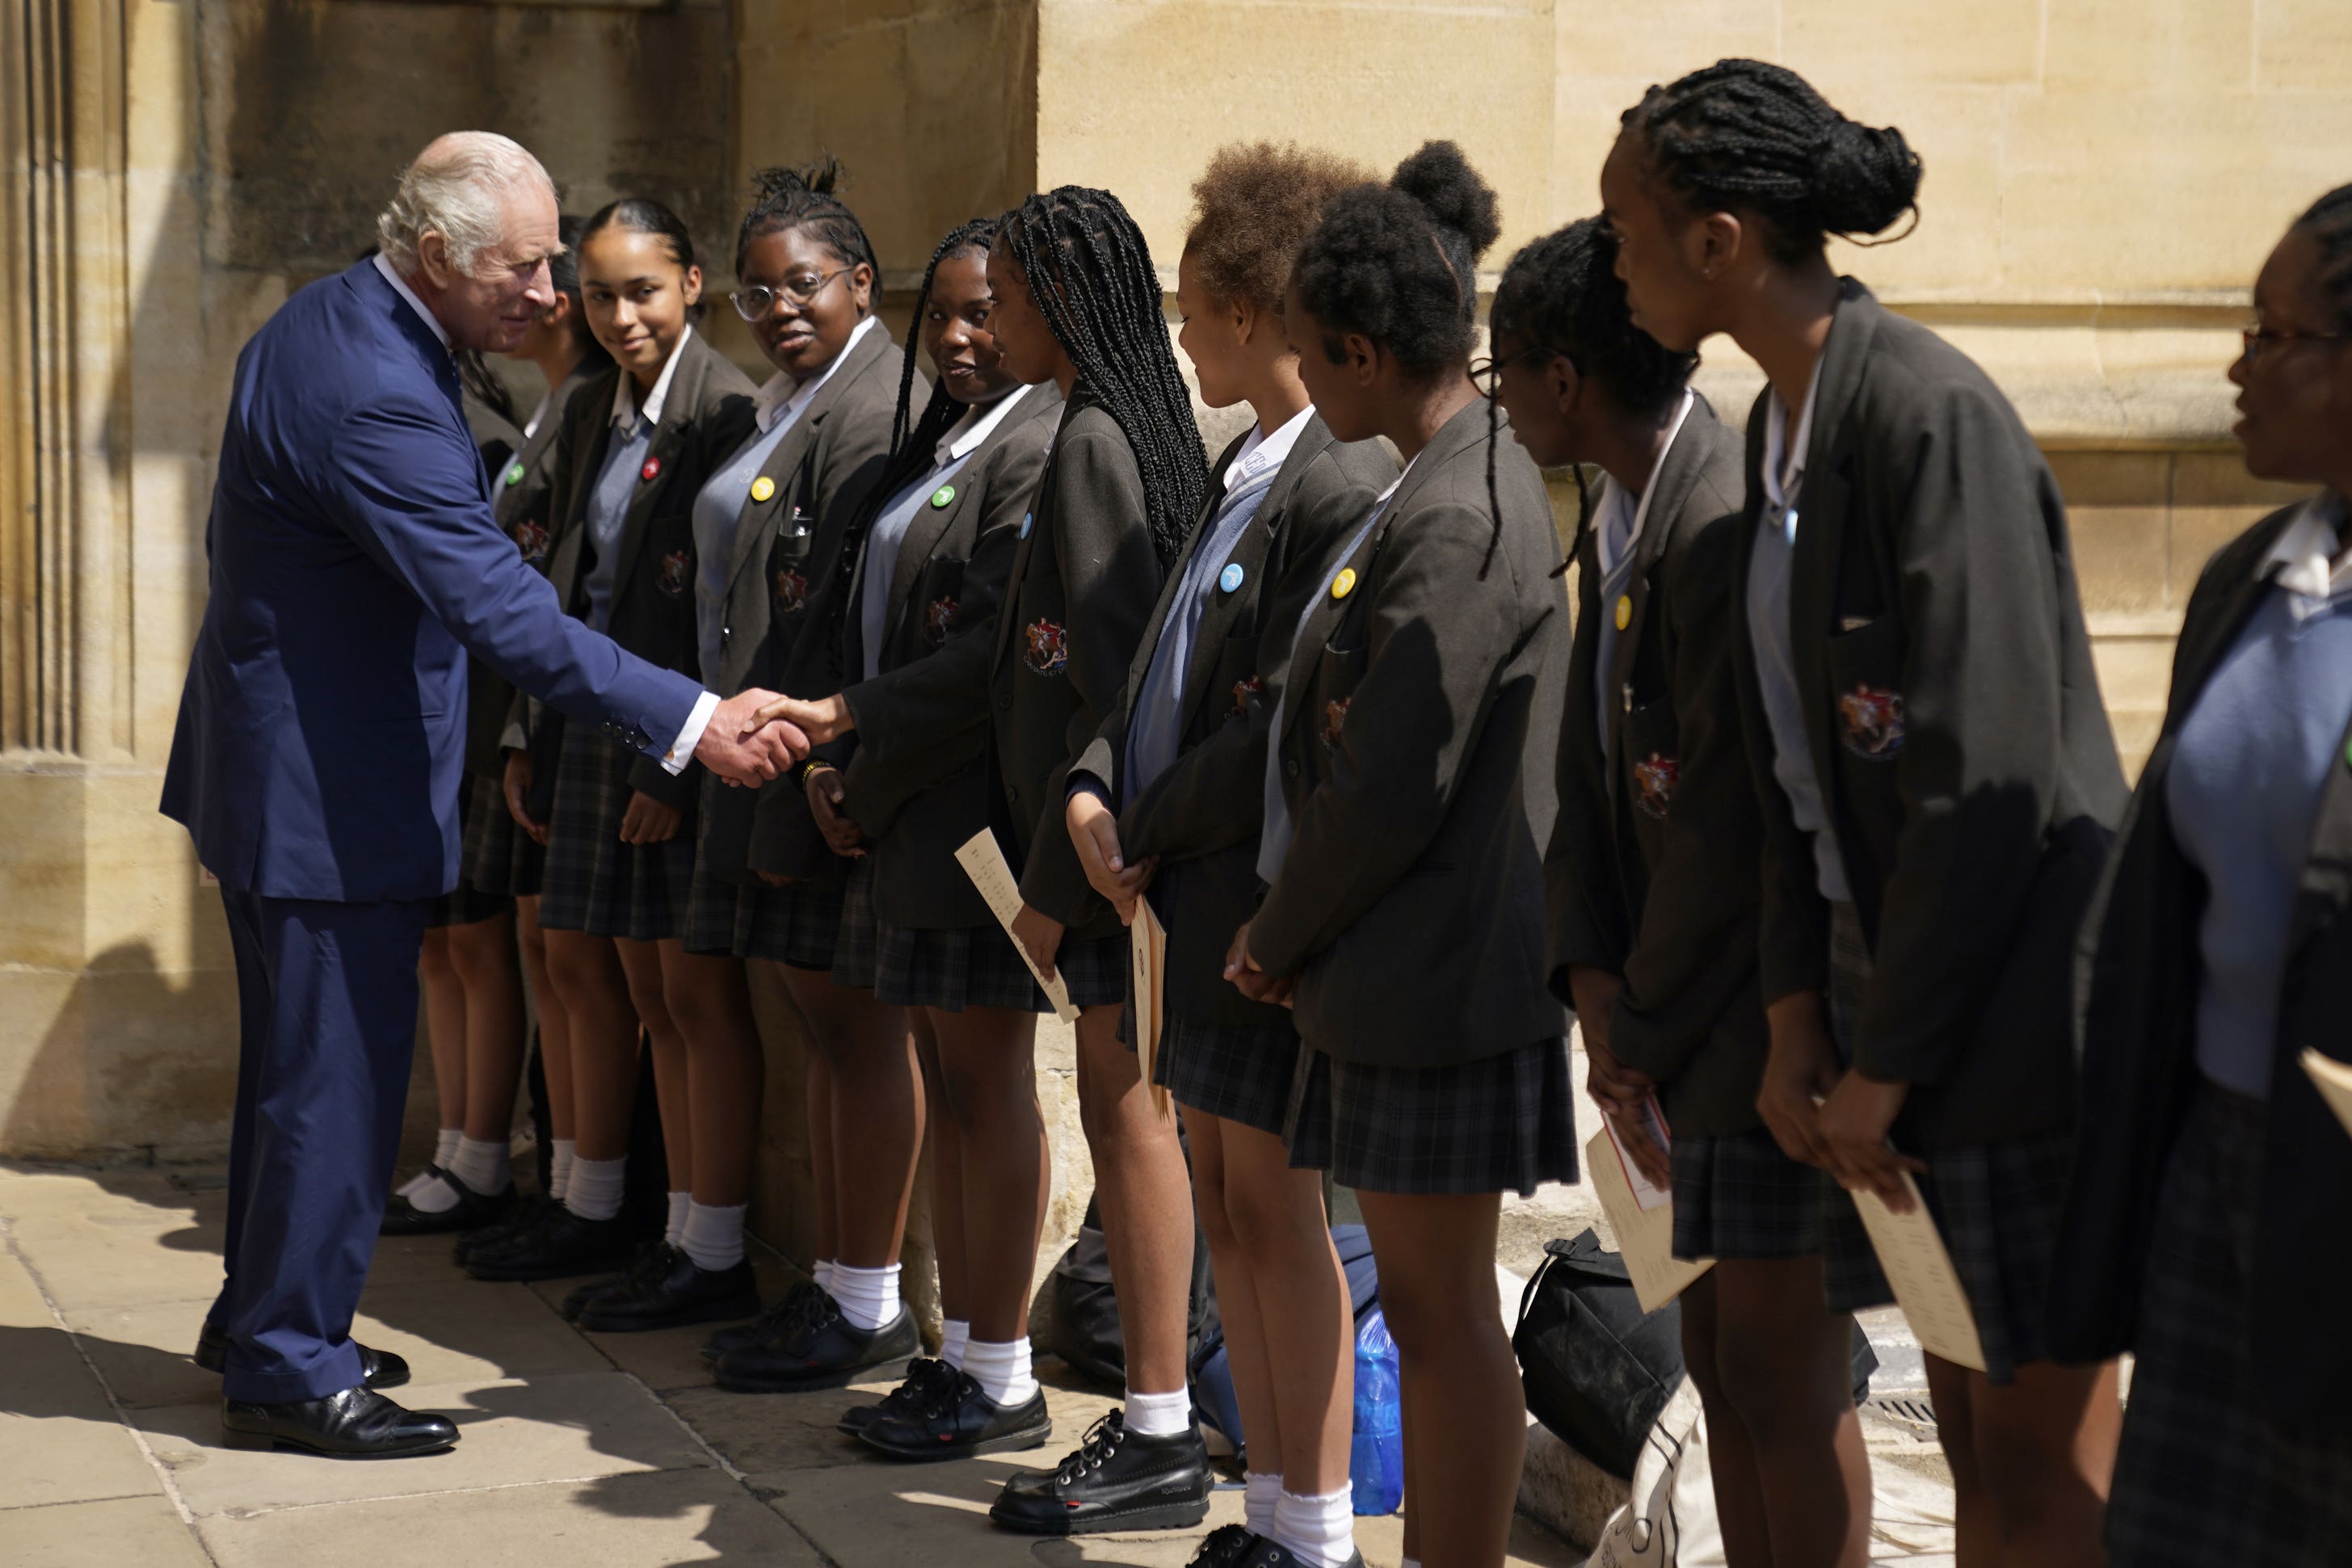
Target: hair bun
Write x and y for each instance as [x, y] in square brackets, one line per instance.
[1864, 178]
[1441, 179]
[820, 178]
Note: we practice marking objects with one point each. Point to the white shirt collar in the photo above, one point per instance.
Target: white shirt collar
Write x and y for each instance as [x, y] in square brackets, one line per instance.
[978, 423]
[1649, 487]
[400, 287]
[2313, 562]
[1784, 458]
[625, 409]
[783, 400]
[1260, 452]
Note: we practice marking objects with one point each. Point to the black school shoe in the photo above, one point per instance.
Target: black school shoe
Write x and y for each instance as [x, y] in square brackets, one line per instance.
[1233, 1546]
[560, 1246]
[802, 1300]
[957, 1422]
[820, 1350]
[379, 1369]
[926, 1380]
[472, 1211]
[526, 1213]
[652, 1261]
[672, 1291]
[1118, 1479]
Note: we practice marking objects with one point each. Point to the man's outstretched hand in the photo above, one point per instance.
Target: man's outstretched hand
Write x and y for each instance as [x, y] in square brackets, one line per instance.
[822, 719]
[744, 747]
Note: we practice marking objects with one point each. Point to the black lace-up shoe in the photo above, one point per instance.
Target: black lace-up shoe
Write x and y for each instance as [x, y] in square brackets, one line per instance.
[472, 1210]
[1233, 1546]
[958, 1421]
[357, 1423]
[672, 1291]
[925, 1380]
[560, 1246]
[820, 1350]
[801, 1300]
[378, 1368]
[526, 1213]
[652, 1260]
[1117, 1480]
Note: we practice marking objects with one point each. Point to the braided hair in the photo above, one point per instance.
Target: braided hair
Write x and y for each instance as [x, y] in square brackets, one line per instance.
[803, 199]
[2329, 221]
[1561, 294]
[1091, 276]
[910, 449]
[1748, 137]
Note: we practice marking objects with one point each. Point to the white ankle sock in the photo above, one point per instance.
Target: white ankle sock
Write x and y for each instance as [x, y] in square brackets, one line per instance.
[595, 1188]
[1409, 1562]
[1158, 1415]
[822, 1271]
[445, 1145]
[868, 1298]
[559, 1167]
[713, 1237]
[484, 1166]
[1320, 1532]
[1260, 1492]
[954, 1335]
[1003, 1371]
[675, 1227]
[433, 1195]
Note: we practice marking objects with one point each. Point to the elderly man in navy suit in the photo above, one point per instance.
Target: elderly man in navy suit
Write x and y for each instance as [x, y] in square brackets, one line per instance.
[354, 566]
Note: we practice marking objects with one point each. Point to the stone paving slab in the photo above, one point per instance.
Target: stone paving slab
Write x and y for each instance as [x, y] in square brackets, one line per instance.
[141, 1530]
[60, 1439]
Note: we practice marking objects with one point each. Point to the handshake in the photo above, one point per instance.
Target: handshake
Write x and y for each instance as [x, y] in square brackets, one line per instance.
[757, 735]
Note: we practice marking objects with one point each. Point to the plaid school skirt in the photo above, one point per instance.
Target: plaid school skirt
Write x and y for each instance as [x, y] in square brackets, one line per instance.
[1997, 1205]
[2201, 1476]
[1739, 1197]
[951, 971]
[498, 858]
[1241, 1071]
[856, 943]
[591, 880]
[465, 905]
[798, 925]
[1502, 1124]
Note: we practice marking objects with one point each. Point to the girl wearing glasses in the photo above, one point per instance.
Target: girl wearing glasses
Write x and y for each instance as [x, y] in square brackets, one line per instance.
[768, 538]
[632, 446]
[2205, 1231]
[1935, 768]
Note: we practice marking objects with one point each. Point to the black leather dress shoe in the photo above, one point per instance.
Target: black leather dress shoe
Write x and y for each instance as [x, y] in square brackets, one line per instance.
[670, 1292]
[926, 1379]
[958, 1422]
[560, 1246]
[526, 1213]
[800, 1301]
[653, 1258]
[379, 1369]
[356, 1424]
[824, 1350]
[1118, 1479]
[1233, 1546]
[472, 1210]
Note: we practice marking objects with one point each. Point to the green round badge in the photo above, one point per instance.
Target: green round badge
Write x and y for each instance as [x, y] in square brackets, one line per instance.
[514, 475]
[943, 496]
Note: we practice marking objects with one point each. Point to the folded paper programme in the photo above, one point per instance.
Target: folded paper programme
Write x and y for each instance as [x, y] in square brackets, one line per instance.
[2335, 1080]
[1148, 954]
[986, 864]
[1645, 1237]
[1918, 1268]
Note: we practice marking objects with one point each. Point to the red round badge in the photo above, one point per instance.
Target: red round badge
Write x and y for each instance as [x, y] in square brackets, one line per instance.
[652, 467]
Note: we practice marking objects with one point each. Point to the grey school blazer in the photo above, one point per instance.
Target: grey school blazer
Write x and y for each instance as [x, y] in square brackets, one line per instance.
[705, 414]
[1202, 815]
[914, 769]
[1410, 903]
[1652, 871]
[785, 547]
[2138, 964]
[1955, 723]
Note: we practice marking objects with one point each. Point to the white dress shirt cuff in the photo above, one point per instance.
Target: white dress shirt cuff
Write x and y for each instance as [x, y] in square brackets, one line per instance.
[681, 750]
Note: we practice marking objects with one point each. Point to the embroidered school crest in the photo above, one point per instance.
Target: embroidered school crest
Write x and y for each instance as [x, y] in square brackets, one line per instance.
[791, 591]
[1245, 688]
[939, 621]
[531, 538]
[1335, 714]
[1654, 779]
[1048, 653]
[1871, 721]
[674, 574]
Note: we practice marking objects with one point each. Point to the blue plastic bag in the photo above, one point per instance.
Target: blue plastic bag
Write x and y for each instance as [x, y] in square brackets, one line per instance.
[1376, 1457]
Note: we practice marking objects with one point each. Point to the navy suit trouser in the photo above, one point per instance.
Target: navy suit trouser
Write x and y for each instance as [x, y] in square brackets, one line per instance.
[327, 1009]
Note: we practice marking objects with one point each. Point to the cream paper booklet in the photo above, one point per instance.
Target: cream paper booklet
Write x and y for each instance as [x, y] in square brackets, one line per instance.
[1912, 1255]
[1148, 952]
[986, 864]
[2335, 1080]
[1645, 1232]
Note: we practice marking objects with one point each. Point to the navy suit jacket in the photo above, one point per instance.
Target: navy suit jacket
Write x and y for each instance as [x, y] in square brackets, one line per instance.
[355, 563]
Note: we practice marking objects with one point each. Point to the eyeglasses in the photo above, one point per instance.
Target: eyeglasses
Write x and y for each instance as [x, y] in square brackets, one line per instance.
[2258, 335]
[759, 299]
[1487, 374]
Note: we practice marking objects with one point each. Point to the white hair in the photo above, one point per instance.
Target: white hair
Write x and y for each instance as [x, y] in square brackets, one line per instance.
[459, 188]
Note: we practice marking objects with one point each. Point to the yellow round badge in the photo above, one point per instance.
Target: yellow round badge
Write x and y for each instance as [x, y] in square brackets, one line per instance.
[1625, 612]
[763, 487]
[1343, 584]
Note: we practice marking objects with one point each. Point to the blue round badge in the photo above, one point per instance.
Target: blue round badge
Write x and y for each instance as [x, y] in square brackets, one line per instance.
[1231, 578]
[1026, 518]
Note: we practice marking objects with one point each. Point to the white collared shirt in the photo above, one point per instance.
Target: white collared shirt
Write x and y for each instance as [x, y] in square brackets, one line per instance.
[1261, 451]
[400, 287]
[1610, 550]
[625, 392]
[1784, 459]
[2312, 559]
[782, 400]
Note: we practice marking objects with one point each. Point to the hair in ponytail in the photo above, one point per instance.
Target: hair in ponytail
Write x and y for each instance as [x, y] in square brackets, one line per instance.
[643, 214]
[803, 199]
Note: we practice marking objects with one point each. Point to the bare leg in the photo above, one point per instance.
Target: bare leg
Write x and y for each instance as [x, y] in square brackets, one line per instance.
[2043, 1451]
[947, 1175]
[554, 1021]
[487, 968]
[709, 1003]
[877, 1133]
[1467, 1440]
[445, 1025]
[603, 1039]
[989, 1078]
[1147, 1217]
[642, 961]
